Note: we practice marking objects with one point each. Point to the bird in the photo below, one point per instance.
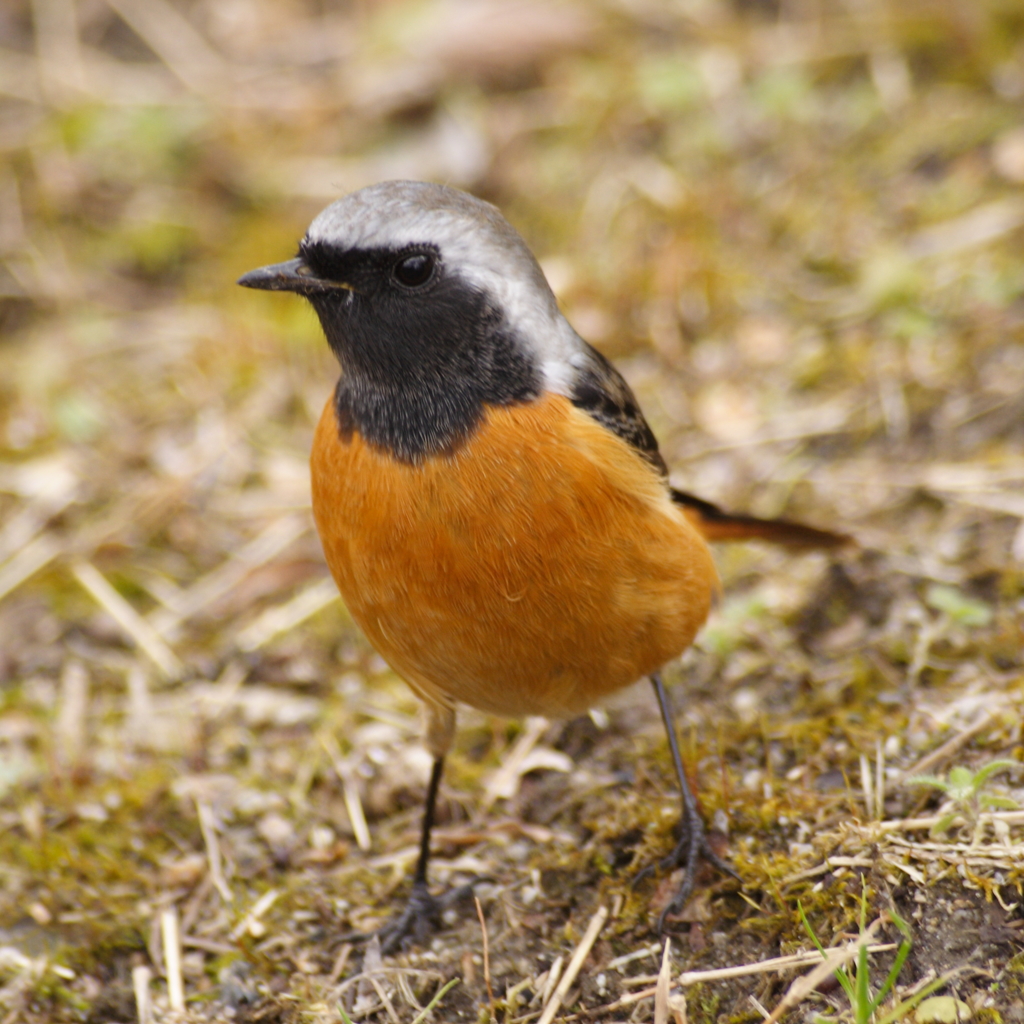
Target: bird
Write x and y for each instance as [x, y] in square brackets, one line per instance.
[491, 502]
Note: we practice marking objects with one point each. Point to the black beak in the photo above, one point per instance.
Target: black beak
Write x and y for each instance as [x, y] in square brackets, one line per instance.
[290, 276]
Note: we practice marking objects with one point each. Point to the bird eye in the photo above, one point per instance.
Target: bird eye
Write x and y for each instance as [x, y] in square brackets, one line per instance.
[415, 270]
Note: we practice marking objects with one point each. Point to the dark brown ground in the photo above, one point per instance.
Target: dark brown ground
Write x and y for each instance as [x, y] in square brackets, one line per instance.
[796, 226]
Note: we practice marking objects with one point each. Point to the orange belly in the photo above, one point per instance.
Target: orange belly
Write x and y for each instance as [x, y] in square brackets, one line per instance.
[534, 570]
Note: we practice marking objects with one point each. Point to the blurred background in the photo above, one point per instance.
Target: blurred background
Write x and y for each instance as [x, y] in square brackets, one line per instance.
[796, 225]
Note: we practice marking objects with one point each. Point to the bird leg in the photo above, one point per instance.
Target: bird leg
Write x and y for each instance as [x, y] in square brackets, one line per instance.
[422, 914]
[693, 845]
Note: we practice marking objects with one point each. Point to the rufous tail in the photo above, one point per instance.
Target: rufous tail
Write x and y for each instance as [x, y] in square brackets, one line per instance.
[714, 524]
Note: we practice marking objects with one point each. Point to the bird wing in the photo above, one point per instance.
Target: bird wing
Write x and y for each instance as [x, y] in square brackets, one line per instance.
[600, 391]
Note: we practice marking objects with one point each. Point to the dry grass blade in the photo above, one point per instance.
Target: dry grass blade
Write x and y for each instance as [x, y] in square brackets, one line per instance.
[578, 956]
[980, 225]
[27, 525]
[503, 783]
[830, 865]
[879, 808]
[952, 746]
[216, 584]
[930, 821]
[208, 945]
[487, 954]
[772, 966]
[71, 726]
[282, 618]
[19, 77]
[663, 987]
[340, 962]
[860, 370]
[141, 976]
[388, 972]
[174, 39]
[27, 562]
[551, 982]
[384, 998]
[208, 826]
[251, 922]
[804, 986]
[350, 790]
[628, 1000]
[57, 45]
[677, 1007]
[136, 628]
[228, 686]
[628, 958]
[867, 786]
[172, 958]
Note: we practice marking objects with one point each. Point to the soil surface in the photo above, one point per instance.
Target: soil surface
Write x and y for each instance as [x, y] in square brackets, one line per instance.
[796, 227]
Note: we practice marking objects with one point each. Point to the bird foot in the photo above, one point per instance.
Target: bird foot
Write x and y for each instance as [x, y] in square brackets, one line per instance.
[423, 914]
[692, 849]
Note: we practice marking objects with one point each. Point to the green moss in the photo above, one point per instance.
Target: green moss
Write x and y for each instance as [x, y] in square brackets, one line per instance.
[797, 195]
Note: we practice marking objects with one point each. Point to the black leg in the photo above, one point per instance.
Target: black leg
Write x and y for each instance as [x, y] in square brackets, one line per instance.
[422, 913]
[428, 821]
[693, 846]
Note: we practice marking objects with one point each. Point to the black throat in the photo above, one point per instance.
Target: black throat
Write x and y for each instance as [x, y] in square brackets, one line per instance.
[418, 367]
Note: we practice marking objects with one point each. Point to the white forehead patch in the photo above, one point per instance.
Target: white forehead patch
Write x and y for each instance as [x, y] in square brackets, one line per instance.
[475, 241]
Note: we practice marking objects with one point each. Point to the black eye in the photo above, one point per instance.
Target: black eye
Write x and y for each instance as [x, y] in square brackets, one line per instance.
[412, 271]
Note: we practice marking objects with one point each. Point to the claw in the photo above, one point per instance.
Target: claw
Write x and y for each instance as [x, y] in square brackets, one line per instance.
[422, 916]
[688, 854]
[693, 847]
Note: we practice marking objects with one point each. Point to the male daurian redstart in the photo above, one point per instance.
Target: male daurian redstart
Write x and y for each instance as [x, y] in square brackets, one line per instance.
[491, 502]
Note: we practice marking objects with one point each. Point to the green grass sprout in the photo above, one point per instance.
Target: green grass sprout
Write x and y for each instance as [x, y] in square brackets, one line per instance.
[966, 790]
[864, 1003]
[422, 1015]
[957, 606]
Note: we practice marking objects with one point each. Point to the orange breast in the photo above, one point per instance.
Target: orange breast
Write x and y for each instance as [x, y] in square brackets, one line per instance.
[536, 569]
